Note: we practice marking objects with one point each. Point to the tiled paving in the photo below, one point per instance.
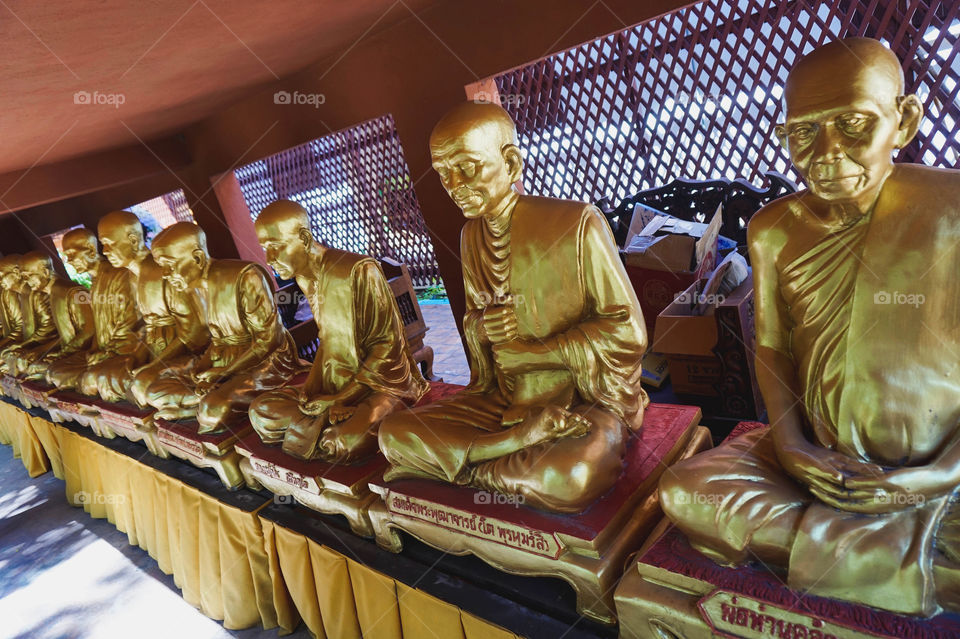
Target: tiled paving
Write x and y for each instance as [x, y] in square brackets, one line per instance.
[449, 360]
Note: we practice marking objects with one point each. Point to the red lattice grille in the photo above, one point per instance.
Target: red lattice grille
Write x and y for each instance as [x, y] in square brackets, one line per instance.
[695, 93]
[357, 188]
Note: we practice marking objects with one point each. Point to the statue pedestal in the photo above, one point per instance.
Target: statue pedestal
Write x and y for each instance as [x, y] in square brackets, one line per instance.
[10, 386]
[129, 421]
[36, 394]
[587, 550]
[215, 450]
[672, 590]
[70, 406]
[339, 489]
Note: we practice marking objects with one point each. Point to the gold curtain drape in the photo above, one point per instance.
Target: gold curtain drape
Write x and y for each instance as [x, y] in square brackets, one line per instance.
[229, 563]
[339, 598]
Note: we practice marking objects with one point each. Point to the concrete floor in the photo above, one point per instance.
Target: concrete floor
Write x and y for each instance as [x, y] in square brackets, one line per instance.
[449, 360]
[66, 575]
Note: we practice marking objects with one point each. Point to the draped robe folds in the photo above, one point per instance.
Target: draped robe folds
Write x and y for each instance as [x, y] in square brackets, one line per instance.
[242, 318]
[361, 342]
[872, 311]
[168, 316]
[556, 264]
[73, 320]
[40, 339]
[117, 346]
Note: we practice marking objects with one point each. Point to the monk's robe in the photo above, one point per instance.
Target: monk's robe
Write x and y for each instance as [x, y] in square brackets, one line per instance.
[361, 342]
[13, 324]
[244, 323]
[166, 317]
[872, 311]
[40, 341]
[117, 346]
[73, 319]
[556, 262]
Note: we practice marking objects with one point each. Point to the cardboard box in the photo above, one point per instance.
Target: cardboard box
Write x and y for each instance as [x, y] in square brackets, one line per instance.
[713, 355]
[666, 256]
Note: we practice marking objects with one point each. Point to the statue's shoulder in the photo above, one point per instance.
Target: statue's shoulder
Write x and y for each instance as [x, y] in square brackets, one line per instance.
[551, 208]
[926, 182]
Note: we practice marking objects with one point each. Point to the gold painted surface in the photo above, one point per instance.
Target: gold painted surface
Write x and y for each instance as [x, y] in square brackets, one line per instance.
[363, 370]
[857, 341]
[37, 274]
[13, 319]
[250, 351]
[554, 334]
[103, 369]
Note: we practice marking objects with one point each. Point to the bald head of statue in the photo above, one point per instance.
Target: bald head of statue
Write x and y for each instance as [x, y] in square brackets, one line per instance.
[80, 250]
[9, 271]
[846, 116]
[37, 270]
[181, 252]
[121, 235]
[474, 150]
[283, 229]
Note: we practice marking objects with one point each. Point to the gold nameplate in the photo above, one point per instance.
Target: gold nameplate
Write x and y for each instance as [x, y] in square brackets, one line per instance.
[488, 528]
[736, 615]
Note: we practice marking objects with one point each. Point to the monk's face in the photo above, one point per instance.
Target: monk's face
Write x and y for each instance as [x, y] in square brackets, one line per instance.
[472, 168]
[37, 275]
[10, 278]
[81, 255]
[284, 243]
[181, 263]
[841, 130]
[121, 246]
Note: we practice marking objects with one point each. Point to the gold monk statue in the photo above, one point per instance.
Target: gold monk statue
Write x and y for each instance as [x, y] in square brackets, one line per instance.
[34, 308]
[851, 490]
[12, 311]
[104, 368]
[554, 334]
[250, 351]
[63, 321]
[363, 370]
[166, 315]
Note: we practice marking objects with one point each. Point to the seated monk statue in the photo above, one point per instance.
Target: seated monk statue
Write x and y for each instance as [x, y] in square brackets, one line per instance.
[10, 310]
[363, 370]
[554, 335]
[852, 488]
[63, 322]
[26, 301]
[250, 351]
[167, 317]
[115, 322]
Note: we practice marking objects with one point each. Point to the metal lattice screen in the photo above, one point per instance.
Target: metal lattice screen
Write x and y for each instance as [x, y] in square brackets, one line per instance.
[696, 93]
[357, 188]
[162, 211]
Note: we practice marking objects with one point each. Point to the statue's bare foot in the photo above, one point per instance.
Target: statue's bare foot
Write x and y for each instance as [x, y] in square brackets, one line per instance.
[552, 423]
[345, 444]
[301, 442]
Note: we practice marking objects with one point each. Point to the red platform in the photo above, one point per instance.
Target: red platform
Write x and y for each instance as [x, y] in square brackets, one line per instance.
[671, 561]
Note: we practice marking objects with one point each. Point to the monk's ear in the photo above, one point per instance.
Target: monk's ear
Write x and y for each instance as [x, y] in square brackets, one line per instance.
[781, 132]
[305, 236]
[514, 159]
[199, 257]
[911, 112]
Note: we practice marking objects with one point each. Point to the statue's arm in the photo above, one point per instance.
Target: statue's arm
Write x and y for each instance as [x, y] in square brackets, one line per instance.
[259, 313]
